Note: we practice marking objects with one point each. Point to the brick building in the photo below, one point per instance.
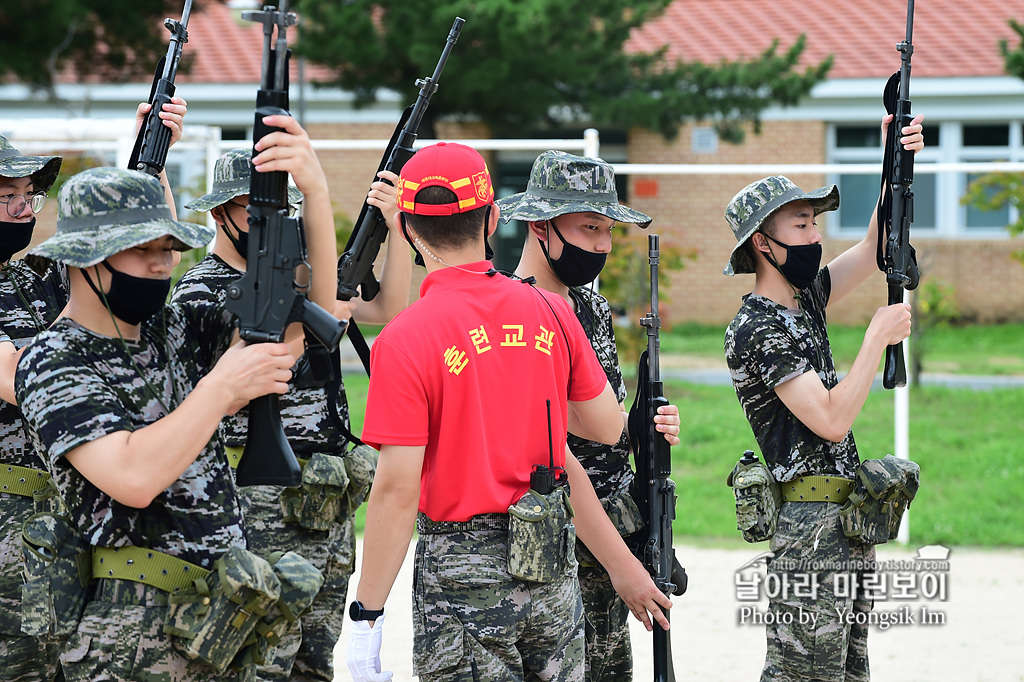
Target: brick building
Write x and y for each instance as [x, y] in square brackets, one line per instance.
[974, 111]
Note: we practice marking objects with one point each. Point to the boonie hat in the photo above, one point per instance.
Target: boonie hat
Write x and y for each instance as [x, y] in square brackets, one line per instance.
[42, 169]
[563, 183]
[232, 175]
[445, 164]
[103, 211]
[754, 203]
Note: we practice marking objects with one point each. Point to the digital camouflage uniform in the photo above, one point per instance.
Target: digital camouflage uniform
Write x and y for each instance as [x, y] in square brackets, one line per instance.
[75, 386]
[562, 183]
[609, 651]
[766, 345]
[310, 428]
[29, 302]
[22, 657]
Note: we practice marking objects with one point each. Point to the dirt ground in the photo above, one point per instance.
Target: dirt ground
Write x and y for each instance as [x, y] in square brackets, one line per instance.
[980, 640]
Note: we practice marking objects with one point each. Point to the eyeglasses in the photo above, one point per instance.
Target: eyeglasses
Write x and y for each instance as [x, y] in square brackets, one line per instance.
[16, 203]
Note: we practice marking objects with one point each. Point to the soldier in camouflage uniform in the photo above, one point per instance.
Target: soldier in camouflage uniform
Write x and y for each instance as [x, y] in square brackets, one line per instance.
[32, 294]
[563, 257]
[125, 396]
[458, 451]
[781, 364]
[315, 420]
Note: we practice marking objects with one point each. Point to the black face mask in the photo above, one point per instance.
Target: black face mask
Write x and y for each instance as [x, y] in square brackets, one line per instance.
[132, 299]
[576, 266]
[241, 242]
[14, 237]
[802, 263]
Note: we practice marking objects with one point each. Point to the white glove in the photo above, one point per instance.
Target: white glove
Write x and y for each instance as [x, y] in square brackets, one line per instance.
[363, 656]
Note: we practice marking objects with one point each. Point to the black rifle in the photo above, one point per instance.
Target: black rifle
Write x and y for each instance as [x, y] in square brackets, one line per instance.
[653, 490]
[355, 266]
[272, 292]
[150, 152]
[895, 256]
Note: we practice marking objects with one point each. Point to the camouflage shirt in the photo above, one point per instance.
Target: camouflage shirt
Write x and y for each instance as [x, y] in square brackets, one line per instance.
[30, 303]
[76, 386]
[766, 345]
[606, 465]
[305, 416]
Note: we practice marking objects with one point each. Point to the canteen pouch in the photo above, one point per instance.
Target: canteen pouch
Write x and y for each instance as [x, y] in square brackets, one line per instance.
[625, 516]
[212, 620]
[360, 464]
[758, 499]
[318, 501]
[883, 490]
[300, 583]
[58, 573]
[541, 536]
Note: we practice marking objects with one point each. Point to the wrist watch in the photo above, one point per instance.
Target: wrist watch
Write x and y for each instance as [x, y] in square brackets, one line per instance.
[357, 611]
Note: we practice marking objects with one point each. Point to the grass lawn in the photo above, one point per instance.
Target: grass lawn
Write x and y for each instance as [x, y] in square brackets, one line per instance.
[961, 349]
[970, 445]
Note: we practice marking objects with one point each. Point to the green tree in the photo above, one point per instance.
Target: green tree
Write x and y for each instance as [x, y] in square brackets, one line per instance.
[994, 190]
[109, 39]
[521, 65]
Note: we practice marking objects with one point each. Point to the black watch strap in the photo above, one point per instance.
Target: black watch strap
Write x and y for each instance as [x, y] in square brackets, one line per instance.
[356, 611]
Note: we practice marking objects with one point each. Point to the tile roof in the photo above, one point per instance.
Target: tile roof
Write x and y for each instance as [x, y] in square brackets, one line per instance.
[951, 37]
[225, 49]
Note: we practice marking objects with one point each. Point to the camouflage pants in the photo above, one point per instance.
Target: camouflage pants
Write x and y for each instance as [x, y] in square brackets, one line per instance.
[609, 651]
[121, 638]
[473, 621]
[808, 639]
[308, 654]
[22, 658]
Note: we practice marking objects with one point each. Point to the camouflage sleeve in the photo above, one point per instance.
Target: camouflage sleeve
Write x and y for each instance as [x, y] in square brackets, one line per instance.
[212, 326]
[194, 287]
[820, 291]
[769, 350]
[65, 398]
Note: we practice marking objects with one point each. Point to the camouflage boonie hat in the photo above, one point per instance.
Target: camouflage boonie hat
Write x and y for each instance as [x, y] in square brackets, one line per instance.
[103, 211]
[231, 177]
[563, 183]
[754, 203]
[42, 169]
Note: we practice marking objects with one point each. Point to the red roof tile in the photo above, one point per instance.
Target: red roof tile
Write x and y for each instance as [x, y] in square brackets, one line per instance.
[951, 37]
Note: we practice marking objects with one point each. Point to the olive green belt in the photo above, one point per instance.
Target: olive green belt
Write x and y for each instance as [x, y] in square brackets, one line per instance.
[235, 456]
[22, 480]
[817, 489]
[148, 566]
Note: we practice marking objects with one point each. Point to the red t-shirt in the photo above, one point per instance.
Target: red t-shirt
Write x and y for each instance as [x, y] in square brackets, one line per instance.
[466, 371]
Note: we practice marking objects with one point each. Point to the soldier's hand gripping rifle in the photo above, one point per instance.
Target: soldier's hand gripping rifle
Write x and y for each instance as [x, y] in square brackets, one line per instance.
[150, 152]
[653, 490]
[895, 256]
[355, 266]
[272, 292]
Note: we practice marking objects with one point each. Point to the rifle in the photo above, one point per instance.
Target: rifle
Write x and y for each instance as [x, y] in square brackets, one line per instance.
[895, 256]
[272, 292]
[653, 490]
[150, 152]
[355, 266]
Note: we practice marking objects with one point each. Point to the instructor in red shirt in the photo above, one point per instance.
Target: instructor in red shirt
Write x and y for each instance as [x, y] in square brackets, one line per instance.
[470, 387]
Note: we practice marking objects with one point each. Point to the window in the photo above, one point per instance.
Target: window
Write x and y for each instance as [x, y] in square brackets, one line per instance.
[937, 195]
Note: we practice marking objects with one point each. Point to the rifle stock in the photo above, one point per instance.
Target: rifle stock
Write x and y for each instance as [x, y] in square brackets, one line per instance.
[272, 292]
[355, 266]
[653, 490]
[154, 139]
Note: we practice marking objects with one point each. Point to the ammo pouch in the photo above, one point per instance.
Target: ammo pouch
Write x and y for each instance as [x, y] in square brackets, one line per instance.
[58, 573]
[625, 516]
[360, 464]
[541, 536]
[758, 499]
[317, 502]
[213, 619]
[300, 583]
[883, 490]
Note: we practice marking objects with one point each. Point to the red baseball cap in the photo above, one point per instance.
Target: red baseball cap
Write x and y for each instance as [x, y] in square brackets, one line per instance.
[445, 164]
